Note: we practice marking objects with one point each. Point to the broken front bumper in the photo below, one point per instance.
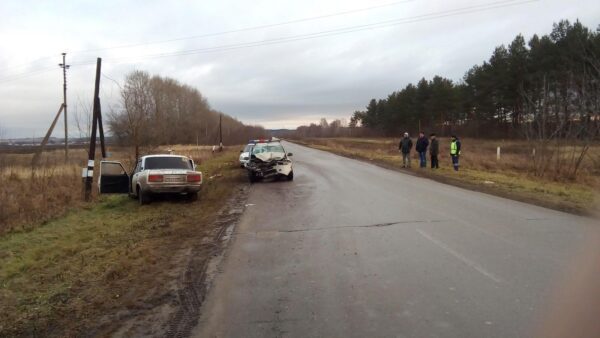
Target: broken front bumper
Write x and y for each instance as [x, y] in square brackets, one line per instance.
[269, 169]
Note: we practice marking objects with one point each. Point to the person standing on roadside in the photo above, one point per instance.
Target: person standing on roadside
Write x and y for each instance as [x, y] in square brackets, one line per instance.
[421, 148]
[434, 150]
[405, 147]
[455, 151]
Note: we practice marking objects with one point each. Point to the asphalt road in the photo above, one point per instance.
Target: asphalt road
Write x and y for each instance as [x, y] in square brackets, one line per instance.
[349, 249]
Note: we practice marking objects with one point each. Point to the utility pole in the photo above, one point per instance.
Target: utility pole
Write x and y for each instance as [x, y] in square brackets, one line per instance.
[96, 123]
[221, 132]
[64, 67]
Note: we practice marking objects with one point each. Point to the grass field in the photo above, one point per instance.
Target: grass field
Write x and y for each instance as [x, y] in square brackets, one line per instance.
[59, 277]
[32, 196]
[511, 176]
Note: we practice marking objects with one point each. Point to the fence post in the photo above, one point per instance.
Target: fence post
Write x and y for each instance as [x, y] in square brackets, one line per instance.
[498, 153]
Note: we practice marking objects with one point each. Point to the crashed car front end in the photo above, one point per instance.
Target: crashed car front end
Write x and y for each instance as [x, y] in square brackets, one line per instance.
[270, 167]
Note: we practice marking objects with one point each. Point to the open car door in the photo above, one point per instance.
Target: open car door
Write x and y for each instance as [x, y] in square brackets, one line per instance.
[113, 178]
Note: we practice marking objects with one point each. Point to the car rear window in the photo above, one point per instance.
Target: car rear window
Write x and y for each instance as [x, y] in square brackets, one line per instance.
[248, 147]
[167, 163]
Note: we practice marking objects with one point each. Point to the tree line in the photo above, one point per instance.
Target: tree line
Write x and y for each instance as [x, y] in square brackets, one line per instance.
[499, 97]
[546, 91]
[157, 110]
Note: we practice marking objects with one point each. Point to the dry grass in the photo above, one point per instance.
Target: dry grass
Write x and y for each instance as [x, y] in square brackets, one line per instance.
[31, 196]
[512, 176]
[72, 273]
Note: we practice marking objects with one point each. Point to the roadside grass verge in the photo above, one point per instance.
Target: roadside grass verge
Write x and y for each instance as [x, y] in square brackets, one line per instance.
[480, 171]
[59, 278]
[31, 196]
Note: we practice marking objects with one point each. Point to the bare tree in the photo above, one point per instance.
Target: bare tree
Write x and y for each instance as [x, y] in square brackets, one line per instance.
[137, 106]
[159, 110]
[83, 118]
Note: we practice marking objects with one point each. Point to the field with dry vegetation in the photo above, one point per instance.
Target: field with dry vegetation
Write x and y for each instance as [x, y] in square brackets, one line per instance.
[33, 195]
[73, 268]
[513, 175]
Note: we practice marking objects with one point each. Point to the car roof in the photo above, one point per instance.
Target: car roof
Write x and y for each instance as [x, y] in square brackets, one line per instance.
[269, 142]
[163, 155]
[265, 140]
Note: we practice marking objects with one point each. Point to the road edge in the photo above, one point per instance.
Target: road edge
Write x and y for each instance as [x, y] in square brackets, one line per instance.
[490, 190]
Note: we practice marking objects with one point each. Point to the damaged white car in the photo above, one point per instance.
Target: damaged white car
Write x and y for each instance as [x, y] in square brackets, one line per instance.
[269, 159]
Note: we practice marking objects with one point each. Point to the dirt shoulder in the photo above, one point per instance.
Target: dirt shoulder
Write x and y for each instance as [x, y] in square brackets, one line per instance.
[574, 198]
[116, 268]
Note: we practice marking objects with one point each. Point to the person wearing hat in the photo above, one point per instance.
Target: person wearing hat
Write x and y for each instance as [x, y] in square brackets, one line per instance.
[455, 151]
[434, 150]
[405, 147]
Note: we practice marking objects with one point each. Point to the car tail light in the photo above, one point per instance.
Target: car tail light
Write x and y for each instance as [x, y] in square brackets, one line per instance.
[155, 178]
[194, 177]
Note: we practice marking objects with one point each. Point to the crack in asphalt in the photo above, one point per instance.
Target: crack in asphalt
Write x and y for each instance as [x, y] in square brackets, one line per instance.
[376, 225]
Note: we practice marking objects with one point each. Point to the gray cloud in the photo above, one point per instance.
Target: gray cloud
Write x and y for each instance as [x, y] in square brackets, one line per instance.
[279, 85]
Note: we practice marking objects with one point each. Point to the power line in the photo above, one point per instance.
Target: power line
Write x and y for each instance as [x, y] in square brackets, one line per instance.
[25, 74]
[326, 33]
[338, 31]
[319, 17]
[113, 80]
[284, 23]
[39, 71]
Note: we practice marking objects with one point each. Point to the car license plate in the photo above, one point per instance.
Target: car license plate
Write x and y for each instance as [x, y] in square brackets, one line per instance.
[174, 179]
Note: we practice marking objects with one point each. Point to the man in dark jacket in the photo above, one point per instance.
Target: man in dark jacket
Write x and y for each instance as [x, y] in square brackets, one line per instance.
[434, 150]
[405, 146]
[421, 148]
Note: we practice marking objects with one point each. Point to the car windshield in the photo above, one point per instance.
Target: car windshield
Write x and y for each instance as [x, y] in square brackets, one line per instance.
[167, 163]
[267, 148]
[248, 147]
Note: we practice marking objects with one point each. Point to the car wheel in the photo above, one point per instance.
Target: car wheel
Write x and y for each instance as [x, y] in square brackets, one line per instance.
[143, 197]
[290, 176]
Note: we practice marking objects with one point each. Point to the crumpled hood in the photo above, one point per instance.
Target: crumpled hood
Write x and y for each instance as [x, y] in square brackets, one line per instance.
[266, 157]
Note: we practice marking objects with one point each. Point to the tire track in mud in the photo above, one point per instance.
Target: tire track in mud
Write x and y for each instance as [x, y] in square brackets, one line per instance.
[194, 281]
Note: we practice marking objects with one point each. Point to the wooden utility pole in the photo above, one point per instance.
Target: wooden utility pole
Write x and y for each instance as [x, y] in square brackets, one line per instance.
[221, 132]
[65, 66]
[36, 156]
[96, 124]
[63, 108]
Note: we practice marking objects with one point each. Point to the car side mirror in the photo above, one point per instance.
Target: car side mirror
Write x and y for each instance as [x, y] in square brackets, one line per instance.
[290, 154]
[252, 156]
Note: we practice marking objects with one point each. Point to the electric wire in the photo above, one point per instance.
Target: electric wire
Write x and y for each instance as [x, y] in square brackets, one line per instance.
[238, 30]
[306, 36]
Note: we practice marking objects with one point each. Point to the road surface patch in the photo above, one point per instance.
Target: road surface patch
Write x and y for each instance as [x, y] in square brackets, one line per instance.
[460, 257]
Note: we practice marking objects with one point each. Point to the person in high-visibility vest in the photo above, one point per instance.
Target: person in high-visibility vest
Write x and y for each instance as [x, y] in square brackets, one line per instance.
[455, 151]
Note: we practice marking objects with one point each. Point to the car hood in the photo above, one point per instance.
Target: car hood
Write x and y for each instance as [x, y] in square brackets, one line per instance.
[266, 157]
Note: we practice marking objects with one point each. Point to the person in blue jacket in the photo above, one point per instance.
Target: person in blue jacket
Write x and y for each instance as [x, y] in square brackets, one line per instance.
[421, 148]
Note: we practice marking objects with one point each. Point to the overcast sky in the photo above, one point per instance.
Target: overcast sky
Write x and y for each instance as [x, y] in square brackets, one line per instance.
[275, 84]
